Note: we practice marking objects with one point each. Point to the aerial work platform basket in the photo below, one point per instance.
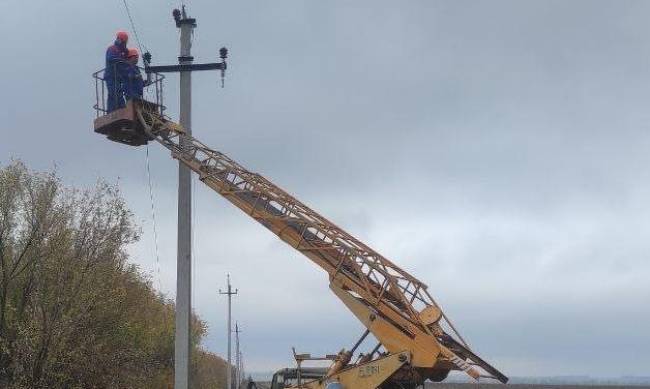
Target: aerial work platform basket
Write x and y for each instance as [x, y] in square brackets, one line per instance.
[123, 125]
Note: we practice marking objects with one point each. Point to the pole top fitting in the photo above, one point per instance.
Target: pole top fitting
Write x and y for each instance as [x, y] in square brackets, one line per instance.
[146, 59]
[180, 18]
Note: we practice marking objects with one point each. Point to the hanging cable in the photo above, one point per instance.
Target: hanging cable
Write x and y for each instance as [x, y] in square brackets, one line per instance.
[153, 218]
[151, 196]
[135, 31]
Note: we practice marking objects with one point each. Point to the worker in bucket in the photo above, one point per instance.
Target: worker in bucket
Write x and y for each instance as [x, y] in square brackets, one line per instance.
[116, 71]
[133, 82]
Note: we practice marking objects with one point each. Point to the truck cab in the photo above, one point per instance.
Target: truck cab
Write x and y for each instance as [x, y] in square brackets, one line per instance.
[288, 377]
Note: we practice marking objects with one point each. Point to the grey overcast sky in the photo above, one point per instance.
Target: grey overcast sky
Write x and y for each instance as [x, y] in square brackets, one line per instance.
[498, 150]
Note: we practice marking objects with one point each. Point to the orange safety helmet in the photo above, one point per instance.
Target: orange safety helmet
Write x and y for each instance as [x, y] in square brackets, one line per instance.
[133, 52]
[122, 36]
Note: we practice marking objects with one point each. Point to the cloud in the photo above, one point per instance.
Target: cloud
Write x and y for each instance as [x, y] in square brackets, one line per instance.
[496, 150]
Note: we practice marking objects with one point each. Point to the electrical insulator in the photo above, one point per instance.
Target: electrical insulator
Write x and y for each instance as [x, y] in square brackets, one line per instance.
[147, 58]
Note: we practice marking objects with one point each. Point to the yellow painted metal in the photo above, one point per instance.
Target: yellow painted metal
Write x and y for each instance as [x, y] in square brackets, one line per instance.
[395, 306]
[365, 376]
[431, 315]
[423, 346]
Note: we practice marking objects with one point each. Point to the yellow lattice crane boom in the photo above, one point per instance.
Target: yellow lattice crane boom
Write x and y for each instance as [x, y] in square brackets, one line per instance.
[418, 339]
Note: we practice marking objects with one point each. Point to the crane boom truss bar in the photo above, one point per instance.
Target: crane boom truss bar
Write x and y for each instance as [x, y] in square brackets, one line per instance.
[370, 277]
[380, 279]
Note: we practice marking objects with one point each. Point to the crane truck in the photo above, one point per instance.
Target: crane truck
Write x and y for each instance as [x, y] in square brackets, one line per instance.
[416, 341]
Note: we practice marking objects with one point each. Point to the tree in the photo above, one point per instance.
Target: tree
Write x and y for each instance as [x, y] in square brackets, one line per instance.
[73, 312]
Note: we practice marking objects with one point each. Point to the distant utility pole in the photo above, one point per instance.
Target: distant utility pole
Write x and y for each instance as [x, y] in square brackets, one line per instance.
[237, 357]
[185, 66]
[229, 293]
[241, 367]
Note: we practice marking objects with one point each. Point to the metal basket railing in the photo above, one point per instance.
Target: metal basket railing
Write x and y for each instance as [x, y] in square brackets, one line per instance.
[153, 91]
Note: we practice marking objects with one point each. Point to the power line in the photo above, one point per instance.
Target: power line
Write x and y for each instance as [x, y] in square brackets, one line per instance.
[135, 31]
[153, 217]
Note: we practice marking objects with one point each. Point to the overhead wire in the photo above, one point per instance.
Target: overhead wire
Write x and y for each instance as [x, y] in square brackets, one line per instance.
[153, 218]
[135, 30]
[151, 194]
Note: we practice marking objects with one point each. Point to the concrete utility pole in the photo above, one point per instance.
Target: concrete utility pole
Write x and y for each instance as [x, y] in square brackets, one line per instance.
[237, 357]
[229, 293]
[241, 368]
[184, 254]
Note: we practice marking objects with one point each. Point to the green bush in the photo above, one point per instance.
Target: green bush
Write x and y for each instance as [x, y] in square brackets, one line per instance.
[73, 312]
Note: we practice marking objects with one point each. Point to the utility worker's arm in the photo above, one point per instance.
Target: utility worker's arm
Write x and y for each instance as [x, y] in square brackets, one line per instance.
[113, 54]
[114, 57]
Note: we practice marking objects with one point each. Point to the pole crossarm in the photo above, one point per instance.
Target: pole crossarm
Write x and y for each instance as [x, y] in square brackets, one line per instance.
[370, 278]
[185, 67]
